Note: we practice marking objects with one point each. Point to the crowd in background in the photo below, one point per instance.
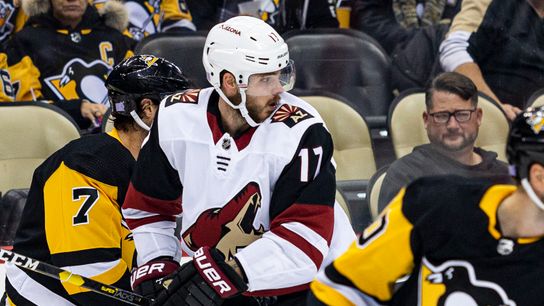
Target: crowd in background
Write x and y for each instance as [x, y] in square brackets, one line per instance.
[61, 52]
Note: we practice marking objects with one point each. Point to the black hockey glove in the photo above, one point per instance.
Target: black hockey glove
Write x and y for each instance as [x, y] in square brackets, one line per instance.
[207, 280]
[147, 279]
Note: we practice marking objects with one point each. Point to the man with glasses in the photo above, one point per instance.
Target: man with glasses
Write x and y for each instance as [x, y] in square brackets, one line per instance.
[452, 120]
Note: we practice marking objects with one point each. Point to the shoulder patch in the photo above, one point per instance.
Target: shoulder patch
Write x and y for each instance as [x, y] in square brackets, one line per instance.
[187, 96]
[290, 115]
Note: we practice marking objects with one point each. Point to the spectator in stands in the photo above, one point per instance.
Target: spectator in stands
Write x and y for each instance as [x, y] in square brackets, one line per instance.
[72, 217]
[12, 18]
[64, 53]
[283, 15]
[410, 31]
[498, 44]
[150, 17]
[452, 121]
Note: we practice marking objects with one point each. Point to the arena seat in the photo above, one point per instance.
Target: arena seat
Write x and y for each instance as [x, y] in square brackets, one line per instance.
[11, 207]
[343, 203]
[536, 99]
[107, 122]
[405, 123]
[183, 49]
[31, 131]
[374, 187]
[346, 62]
[353, 149]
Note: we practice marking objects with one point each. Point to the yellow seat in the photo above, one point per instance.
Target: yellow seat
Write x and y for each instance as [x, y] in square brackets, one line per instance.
[536, 99]
[343, 203]
[31, 132]
[374, 187]
[353, 150]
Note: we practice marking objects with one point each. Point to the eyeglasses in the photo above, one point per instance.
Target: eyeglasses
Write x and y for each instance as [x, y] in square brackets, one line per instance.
[462, 115]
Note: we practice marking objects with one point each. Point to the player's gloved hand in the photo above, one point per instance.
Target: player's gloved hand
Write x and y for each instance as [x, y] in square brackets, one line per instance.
[147, 279]
[207, 280]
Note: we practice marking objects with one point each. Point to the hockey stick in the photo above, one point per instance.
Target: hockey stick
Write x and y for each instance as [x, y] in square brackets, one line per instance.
[73, 279]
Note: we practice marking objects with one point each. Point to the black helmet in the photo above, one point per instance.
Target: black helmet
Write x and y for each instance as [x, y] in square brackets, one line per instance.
[142, 76]
[526, 141]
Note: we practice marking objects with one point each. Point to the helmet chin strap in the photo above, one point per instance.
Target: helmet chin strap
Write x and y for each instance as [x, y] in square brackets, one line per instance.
[241, 107]
[531, 193]
[139, 121]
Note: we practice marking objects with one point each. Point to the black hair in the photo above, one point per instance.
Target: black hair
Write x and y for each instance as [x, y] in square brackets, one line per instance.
[455, 83]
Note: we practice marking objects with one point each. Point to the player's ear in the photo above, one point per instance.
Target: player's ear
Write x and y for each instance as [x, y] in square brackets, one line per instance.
[228, 84]
[148, 109]
[536, 177]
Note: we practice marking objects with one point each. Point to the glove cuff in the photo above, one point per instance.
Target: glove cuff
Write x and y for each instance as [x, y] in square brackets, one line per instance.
[217, 273]
[152, 270]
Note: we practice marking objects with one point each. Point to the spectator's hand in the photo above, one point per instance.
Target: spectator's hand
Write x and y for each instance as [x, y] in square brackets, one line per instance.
[93, 111]
[206, 280]
[510, 110]
[147, 280]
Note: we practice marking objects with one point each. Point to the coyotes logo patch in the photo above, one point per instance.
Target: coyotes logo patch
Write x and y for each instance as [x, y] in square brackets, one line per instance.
[187, 96]
[228, 228]
[290, 115]
[79, 80]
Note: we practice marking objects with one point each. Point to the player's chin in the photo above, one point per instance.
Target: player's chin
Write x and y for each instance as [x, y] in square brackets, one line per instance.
[263, 115]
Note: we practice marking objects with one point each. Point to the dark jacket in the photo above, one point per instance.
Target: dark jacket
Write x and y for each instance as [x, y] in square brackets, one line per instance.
[390, 28]
[49, 61]
[287, 15]
[426, 160]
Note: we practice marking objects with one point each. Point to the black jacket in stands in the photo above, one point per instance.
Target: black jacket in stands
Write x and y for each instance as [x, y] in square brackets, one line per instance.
[384, 19]
[49, 61]
[284, 16]
[425, 160]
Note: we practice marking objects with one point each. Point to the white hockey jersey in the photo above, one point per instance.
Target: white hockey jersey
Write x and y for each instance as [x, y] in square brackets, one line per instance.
[265, 196]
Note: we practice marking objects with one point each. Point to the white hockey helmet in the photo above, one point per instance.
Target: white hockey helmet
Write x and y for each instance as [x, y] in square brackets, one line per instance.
[245, 46]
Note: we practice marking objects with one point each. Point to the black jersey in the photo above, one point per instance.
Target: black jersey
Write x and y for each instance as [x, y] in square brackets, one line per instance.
[50, 61]
[443, 233]
[72, 219]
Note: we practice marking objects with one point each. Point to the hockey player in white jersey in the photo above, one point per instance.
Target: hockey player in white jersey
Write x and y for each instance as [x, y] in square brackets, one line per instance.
[249, 167]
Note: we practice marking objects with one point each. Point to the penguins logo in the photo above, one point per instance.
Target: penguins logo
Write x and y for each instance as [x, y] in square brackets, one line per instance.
[228, 228]
[80, 80]
[6, 10]
[269, 11]
[536, 121]
[462, 287]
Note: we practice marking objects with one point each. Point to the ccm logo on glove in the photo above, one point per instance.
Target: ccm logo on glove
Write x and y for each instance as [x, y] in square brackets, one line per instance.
[211, 273]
